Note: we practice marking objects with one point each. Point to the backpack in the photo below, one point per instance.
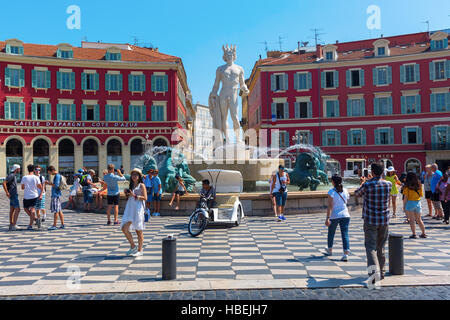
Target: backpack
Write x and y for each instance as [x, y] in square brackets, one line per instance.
[83, 181]
[63, 183]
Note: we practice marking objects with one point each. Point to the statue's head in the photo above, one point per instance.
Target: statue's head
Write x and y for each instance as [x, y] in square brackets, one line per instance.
[229, 53]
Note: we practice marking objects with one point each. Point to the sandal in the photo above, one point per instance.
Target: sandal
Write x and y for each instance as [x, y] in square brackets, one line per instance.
[413, 236]
[423, 236]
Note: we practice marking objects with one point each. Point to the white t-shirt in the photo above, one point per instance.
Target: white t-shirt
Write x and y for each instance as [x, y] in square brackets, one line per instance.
[340, 209]
[31, 186]
[278, 179]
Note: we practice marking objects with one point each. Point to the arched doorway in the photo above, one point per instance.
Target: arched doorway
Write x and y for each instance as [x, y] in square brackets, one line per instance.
[114, 153]
[66, 151]
[41, 153]
[413, 165]
[160, 142]
[14, 155]
[136, 151]
[90, 155]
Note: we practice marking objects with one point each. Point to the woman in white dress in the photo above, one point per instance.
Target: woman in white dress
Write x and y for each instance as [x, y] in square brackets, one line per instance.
[133, 216]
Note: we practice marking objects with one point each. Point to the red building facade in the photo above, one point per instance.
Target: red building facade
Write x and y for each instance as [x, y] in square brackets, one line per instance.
[72, 107]
[364, 101]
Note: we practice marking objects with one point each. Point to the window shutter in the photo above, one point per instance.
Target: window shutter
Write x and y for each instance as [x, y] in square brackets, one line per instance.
[377, 136]
[274, 110]
[286, 110]
[96, 81]
[349, 137]
[389, 75]
[166, 83]
[34, 111]
[324, 138]
[447, 100]
[363, 106]
[338, 137]
[349, 108]
[58, 53]
[152, 112]
[419, 135]
[21, 78]
[433, 102]
[390, 105]
[83, 112]
[376, 106]
[348, 78]
[83, 81]
[142, 82]
[120, 113]
[402, 74]
[336, 108]
[144, 113]
[120, 82]
[361, 77]
[434, 135]
[310, 138]
[97, 112]
[20, 50]
[417, 72]
[336, 79]
[375, 76]
[310, 109]
[273, 85]
[131, 113]
[7, 110]
[403, 104]
[323, 79]
[418, 104]
[447, 69]
[297, 110]
[48, 111]
[130, 83]
[286, 139]
[296, 82]
[72, 80]
[58, 80]
[73, 112]
[48, 79]
[404, 136]
[22, 110]
[107, 78]
[310, 80]
[432, 71]
[58, 112]
[391, 136]
[153, 84]
[33, 79]
[7, 77]
[433, 45]
[363, 137]
[285, 82]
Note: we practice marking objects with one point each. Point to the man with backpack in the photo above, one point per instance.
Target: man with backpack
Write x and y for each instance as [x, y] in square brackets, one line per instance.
[55, 205]
[87, 184]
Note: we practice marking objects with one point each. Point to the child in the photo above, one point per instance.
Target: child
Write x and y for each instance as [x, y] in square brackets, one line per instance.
[179, 191]
[393, 179]
[157, 192]
[413, 193]
[133, 216]
[101, 193]
[73, 191]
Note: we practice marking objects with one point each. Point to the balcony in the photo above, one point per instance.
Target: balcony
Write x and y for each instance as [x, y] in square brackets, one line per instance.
[437, 146]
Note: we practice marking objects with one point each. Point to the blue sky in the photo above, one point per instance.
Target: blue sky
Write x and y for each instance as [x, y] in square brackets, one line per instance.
[195, 30]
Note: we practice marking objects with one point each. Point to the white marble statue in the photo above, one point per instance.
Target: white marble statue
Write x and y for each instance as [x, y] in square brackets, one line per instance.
[232, 78]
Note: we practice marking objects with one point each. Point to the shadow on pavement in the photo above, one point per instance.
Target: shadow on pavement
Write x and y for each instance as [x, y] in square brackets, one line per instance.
[333, 283]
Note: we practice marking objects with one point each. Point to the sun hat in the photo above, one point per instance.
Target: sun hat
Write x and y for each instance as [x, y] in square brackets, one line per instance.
[15, 167]
[390, 169]
[139, 171]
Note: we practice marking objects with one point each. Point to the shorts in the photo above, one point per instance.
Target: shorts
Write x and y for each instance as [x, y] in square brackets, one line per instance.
[437, 205]
[156, 198]
[55, 205]
[281, 198]
[428, 194]
[435, 196]
[88, 196]
[113, 200]
[40, 204]
[181, 193]
[149, 194]
[413, 206]
[29, 203]
[14, 201]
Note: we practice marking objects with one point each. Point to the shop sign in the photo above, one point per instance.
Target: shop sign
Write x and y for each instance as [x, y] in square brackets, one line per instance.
[73, 124]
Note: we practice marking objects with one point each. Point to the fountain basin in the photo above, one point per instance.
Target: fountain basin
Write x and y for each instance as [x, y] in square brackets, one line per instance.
[255, 204]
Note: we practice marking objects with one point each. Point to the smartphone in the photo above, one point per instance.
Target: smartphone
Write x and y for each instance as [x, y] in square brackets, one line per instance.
[366, 173]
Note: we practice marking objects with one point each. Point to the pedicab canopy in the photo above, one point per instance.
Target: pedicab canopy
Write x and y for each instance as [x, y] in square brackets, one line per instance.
[223, 180]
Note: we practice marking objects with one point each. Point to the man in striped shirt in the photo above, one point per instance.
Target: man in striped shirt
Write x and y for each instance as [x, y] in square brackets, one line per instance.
[376, 216]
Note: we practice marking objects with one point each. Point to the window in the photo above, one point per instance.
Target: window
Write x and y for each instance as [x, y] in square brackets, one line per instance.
[302, 81]
[137, 113]
[14, 110]
[65, 80]
[329, 56]
[330, 79]
[90, 112]
[303, 110]
[66, 112]
[41, 111]
[411, 135]
[157, 113]
[136, 83]
[332, 108]
[280, 110]
[382, 76]
[381, 51]
[113, 56]
[283, 139]
[14, 49]
[64, 54]
[439, 70]
[440, 102]
[384, 106]
[89, 81]
[384, 136]
[410, 104]
[113, 112]
[355, 137]
[331, 138]
[439, 44]
[279, 82]
[355, 107]
[160, 83]
[409, 73]
[14, 77]
[113, 82]
[304, 137]
[440, 137]
[355, 78]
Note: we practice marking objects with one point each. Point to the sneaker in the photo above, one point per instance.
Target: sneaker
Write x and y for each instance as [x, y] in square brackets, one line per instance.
[38, 223]
[344, 258]
[10, 228]
[14, 228]
[137, 254]
[446, 222]
[30, 228]
[279, 218]
[328, 252]
[62, 227]
[283, 217]
[423, 236]
[108, 223]
[156, 214]
[116, 222]
[52, 228]
[132, 251]
[413, 236]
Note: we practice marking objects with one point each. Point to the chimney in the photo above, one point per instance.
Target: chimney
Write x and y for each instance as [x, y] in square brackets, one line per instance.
[337, 41]
[319, 53]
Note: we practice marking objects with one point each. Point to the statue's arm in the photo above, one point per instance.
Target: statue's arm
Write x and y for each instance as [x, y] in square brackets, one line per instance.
[244, 88]
[216, 83]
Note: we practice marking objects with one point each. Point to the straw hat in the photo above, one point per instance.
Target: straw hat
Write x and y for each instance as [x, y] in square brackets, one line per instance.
[138, 171]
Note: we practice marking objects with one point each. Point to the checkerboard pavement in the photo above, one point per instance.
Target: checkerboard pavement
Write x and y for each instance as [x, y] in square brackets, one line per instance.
[261, 248]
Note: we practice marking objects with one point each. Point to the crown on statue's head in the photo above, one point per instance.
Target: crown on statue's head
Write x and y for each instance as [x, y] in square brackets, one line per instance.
[227, 50]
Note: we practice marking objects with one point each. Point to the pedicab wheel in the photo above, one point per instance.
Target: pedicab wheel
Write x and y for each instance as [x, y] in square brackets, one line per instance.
[239, 216]
[197, 223]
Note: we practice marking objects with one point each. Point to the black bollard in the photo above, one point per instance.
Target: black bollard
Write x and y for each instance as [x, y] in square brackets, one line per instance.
[396, 263]
[169, 258]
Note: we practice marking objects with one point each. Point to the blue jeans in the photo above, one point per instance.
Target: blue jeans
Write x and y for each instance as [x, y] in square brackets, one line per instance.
[343, 223]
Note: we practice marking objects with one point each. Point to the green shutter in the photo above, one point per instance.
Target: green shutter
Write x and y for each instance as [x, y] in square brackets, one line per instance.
[7, 110]
[417, 72]
[402, 74]
[363, 106]
[34, 111]
[433, 102]
[348, 78]
[72, 80]
[363, 137]
[73, 112]
[434, 135]
[447, 100]
[131, 113]
[58, 80]
[361, 77]
[338, 137]
[7, 77]
[377, 136]
[152, 112]
[404, 136]
[286, 110]
[376, 106]
[310, 115]
[166, 83]
[310, 80]
[375, 76]
[130, 83]
[96, 81]
[391, 136]
[272, 82]
[447, 69]
[48, 111]
[323, 80]
[58, 53]
[22, 110]
[324, 138]
[120, 117]
[107, 76]
[83, 112]
[349, 108]
[142, 81]
[33, 79]
[20, 50]
[120, 83]
[336, 79]
[403, 104]
[390, 105]
[418, 104]
[97, 112]
[83, 81]
[21, 78]
[296, 82]
[107, 114]
[297, 110]
[349, 137]
[389, 75]
[58, 112]
[432, 71]
[48, 79]
[419, 135]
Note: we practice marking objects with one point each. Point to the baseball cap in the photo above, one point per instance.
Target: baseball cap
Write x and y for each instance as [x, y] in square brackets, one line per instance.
[280, 167]
[15, 167]
[80, 170]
